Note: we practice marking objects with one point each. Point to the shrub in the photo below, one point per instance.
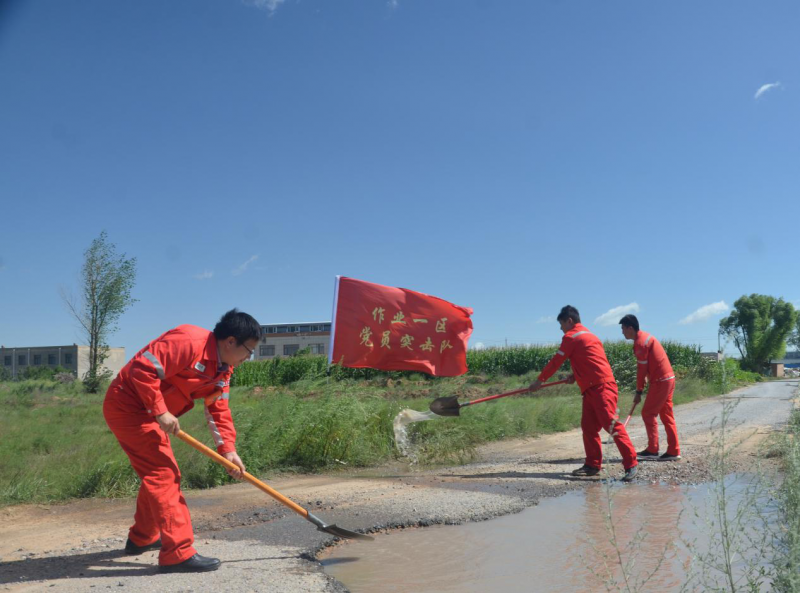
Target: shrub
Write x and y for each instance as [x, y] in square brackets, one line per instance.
[512, 361]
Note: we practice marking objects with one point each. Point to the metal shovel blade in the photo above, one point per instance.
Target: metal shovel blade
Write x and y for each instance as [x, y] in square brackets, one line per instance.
[345, 533]
[446, 406]
[305, 513]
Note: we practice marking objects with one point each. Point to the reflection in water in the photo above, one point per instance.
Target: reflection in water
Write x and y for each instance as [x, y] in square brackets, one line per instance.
[559, 545]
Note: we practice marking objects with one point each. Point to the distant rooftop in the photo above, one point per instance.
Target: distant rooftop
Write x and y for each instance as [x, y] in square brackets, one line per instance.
[298, 323]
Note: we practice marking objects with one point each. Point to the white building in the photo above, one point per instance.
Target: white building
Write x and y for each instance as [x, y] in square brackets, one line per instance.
[74, 357]
[285, 339]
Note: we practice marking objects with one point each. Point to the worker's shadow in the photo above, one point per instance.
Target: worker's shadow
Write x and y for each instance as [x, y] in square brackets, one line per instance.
[527, 475]
[567, 461]
[112, 563]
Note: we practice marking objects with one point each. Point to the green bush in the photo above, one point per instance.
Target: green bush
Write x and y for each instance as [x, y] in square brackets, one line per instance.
[493, 362]
[41, 372]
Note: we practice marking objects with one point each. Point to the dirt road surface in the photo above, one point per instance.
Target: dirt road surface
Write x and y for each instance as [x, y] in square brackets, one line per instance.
[266, 547]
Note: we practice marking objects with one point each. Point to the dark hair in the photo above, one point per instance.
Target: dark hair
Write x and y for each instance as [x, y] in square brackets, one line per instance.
[630, 321]
[569, 312]
[240, 325]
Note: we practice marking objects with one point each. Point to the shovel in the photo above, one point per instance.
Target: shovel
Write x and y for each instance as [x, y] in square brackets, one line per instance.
[624, 424]
[449, 406]
[321, 525]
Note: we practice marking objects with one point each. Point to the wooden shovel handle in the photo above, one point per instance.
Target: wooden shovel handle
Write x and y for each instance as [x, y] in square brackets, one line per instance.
[189, 440]
[526, 389]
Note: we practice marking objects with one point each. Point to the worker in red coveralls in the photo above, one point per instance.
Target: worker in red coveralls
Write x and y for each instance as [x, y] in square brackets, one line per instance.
[593, 374]
[142, 406]
[653, 363]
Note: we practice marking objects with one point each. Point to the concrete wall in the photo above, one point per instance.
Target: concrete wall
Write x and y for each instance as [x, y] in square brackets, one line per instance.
[278, 341]
[74, 358]
[114, 362]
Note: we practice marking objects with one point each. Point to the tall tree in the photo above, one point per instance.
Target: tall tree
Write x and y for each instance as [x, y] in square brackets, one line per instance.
[759, 325]
[795, 339]
[106, 282]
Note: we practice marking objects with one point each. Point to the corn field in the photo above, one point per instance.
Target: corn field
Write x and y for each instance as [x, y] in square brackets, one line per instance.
[514, 361]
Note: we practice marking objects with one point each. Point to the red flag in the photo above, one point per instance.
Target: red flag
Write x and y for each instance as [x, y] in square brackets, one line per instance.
[395, 329]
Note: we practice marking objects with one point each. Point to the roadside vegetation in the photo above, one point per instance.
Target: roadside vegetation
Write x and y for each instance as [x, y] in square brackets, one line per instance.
[787, 558]
[290, 416]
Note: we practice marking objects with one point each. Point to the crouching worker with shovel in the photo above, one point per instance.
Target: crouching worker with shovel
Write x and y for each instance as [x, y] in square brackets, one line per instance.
[593, 374]
[142, 406]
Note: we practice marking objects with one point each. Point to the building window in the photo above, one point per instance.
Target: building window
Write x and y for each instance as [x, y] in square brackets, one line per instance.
[67, 358]
[51, 359]
[290, 349]
[21, 360]
[7, 361]
[37, 359]
[266, 350]
[317, 348]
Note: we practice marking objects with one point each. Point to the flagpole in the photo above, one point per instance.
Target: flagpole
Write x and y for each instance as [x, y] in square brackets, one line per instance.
[333, 320]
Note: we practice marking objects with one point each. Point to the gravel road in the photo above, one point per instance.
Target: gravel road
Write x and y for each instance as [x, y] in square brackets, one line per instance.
[265, 547]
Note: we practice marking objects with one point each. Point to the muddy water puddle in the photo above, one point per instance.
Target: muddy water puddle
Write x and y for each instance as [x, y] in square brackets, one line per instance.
[562, 544]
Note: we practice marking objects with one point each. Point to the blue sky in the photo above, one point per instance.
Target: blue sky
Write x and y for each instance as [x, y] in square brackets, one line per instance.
[508, 156]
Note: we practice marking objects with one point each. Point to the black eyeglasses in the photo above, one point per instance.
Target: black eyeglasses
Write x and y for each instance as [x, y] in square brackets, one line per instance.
[250, 352]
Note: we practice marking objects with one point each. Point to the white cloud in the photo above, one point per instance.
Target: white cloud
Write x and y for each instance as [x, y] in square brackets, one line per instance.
[546, 319]
[205, 275]
[478, 346]
[613, 316]
[269, 5]
[243, 267]
[705, 312]
[767, 87]
[393, 4]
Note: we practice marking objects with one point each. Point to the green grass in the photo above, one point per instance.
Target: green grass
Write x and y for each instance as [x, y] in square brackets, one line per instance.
[788, 545]
[55, 445]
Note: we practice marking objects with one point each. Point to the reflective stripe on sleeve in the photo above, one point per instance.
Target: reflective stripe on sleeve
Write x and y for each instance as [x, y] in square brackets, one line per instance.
[559, 352]
[667, 378]
[579, 333]
[647, 340]
[212, 426]
[642, 361]
[151, 357]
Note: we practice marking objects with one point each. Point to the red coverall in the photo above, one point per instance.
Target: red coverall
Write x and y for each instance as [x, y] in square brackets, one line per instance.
[653, 363]
[168, 374]
[596, 381]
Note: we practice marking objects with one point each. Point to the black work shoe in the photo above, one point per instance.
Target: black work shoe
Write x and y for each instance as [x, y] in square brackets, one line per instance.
[196, 563]
[132, 549]
[668, 457]
[630, 473]
[586, 470]
[646, 455]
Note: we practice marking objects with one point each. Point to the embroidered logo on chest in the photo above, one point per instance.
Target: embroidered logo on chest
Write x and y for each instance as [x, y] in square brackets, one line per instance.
[200, 367]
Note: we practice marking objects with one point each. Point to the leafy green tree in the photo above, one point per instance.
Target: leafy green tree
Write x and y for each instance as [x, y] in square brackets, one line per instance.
[106, 280]
[759, 326]
[795, 339]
